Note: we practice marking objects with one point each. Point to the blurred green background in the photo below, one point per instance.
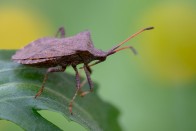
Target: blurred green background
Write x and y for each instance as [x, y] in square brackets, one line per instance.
[154, 90]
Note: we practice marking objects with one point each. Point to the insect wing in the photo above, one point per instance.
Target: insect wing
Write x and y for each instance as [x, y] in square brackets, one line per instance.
[55, 47]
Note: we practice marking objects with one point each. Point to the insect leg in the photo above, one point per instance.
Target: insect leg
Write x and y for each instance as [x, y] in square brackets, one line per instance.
[77, 89]
[87, 71]
[82, 83]
[52, 69]
[88, 68]
[88, 76]
[61, 30]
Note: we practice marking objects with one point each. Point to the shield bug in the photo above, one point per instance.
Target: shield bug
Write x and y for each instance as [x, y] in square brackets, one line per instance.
[56, 54]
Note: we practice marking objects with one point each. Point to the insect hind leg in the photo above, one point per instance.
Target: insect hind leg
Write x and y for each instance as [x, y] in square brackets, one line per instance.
[61, 30]
[51, 69]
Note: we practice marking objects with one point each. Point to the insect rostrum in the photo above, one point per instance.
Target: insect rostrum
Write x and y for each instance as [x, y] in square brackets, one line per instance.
[58, 53]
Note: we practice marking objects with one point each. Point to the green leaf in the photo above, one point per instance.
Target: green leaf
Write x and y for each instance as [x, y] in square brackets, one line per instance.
[19, 84]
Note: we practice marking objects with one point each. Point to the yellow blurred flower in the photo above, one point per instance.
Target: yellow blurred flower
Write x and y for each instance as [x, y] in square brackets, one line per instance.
[169, 51]
[18, 27]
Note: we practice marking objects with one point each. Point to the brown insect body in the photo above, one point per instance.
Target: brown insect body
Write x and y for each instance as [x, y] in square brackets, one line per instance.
[47, 52]
[58, 53]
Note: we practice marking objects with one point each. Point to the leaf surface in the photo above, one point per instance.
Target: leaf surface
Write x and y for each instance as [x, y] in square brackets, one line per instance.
[19, 84]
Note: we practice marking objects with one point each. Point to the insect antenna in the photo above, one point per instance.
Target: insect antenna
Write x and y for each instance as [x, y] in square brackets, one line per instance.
[126, 47]
[116, 48]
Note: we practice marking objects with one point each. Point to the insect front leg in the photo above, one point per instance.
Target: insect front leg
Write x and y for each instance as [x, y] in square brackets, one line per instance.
[61, 30]
[77, 89]
[51, 69]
